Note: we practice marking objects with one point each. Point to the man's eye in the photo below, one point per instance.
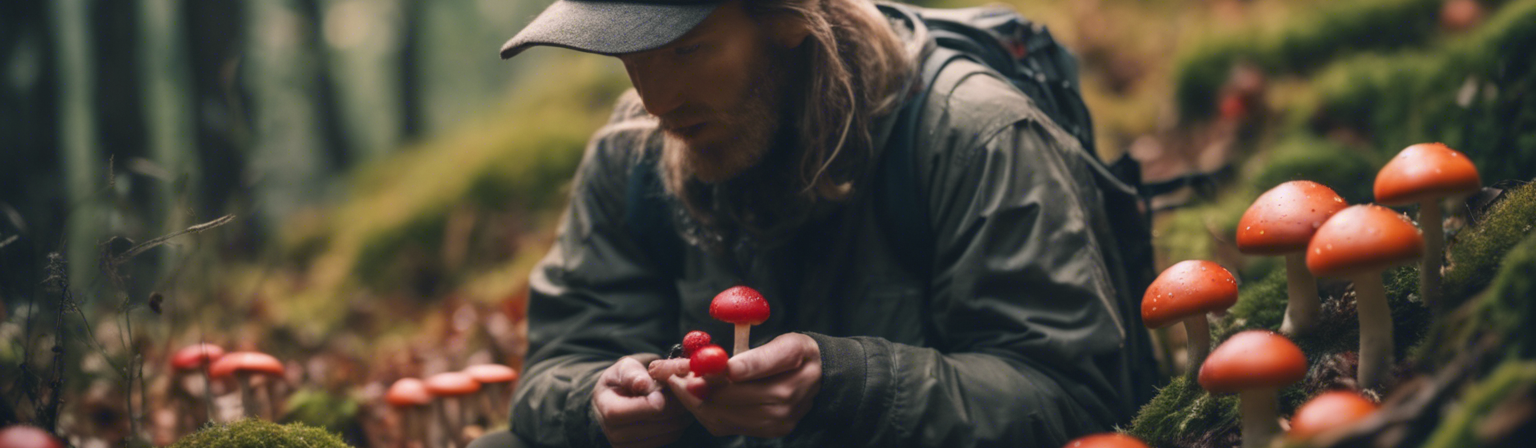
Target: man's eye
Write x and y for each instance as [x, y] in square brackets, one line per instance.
[686, 49]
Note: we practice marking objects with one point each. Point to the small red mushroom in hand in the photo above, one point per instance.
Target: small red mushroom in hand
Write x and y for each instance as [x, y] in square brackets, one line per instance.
[742, 306]
[694, 341]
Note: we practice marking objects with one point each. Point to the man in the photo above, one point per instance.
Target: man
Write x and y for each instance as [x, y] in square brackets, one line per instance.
[764, 121]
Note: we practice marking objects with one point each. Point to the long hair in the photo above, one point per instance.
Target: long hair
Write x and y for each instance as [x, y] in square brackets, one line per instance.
[852, 68]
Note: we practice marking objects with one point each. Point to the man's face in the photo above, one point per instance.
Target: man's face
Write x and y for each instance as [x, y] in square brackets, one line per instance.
[717, 91]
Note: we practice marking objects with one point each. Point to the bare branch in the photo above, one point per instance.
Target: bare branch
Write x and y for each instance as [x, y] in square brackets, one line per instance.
[8, 241]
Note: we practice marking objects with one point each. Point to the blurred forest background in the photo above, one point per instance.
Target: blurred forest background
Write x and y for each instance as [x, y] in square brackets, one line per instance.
[391, 180]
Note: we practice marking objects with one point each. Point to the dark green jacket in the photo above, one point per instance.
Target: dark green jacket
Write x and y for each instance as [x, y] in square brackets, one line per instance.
[1021, 336]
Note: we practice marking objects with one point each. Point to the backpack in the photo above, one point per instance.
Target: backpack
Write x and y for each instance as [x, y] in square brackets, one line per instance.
[1022, 52]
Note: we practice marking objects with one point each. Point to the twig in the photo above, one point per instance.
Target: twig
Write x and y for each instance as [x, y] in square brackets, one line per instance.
[8, 241]
[147, 245]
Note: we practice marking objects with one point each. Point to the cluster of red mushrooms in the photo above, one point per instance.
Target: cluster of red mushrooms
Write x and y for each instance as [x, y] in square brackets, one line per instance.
[1319, 235]
[740, 306]
[453, 397]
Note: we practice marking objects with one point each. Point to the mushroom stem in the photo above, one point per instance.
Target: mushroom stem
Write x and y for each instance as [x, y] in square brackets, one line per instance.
[743, 332]
[1375, 329]
[247, 394]
[1260, 423]
[1198, 332]
[442, 419]
[1301, 287]
[1430, 220]
[272, 405]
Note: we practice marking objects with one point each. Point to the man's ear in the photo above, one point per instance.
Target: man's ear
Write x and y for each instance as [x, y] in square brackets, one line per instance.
[787, 30]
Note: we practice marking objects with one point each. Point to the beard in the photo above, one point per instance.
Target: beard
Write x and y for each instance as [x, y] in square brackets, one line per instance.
[732, 141]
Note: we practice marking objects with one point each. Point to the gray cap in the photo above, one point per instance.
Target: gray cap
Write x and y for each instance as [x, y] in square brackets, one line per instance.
[610, 27]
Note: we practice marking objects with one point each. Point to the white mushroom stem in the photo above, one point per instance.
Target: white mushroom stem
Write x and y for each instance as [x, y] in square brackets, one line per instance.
[1301, 287]
[1198, 336]
[743, 333]
[446, 435]
[1260, 422]
[247, 394]
[1430, 218]
[1375, 329]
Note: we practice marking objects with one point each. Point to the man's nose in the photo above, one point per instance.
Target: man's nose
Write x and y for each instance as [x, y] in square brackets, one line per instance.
[659, 90]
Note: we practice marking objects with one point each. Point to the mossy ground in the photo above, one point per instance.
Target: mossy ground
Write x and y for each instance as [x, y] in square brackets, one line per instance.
[254, 433]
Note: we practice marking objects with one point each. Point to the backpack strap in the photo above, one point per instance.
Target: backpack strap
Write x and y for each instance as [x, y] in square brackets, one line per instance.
[902, 202]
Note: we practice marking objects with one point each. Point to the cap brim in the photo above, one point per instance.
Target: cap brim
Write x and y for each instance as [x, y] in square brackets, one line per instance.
[609, 28]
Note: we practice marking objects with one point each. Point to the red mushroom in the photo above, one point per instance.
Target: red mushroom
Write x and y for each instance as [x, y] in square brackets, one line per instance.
[1184, 293]
[695, 340]
[410, 397]
[190, 384]
[23, 436]
[244, 366]
[742, 306]
[1329, 411]
[1106, 440]
[451, 386]
[708, 360]
[1358, 243]
[1255, 364]
[1281, 222]
[1426, 174]
[497, 381]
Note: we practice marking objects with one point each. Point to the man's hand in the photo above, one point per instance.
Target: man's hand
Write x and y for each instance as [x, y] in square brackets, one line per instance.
[634, 410]
[771, 387]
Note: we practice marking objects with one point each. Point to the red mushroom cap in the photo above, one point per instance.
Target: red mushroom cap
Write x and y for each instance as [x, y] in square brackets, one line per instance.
[23, 436]
[1253, 359]
[451, 384]
[1283, 219]
[1327, 411]
[1363, 239]
[739, 305]
[491, 373]
[1187, 288]
[195, 355]
[1426, 171]
[1106, 440]
[256, 362]
[408, 392]
[694, 341]
[708, 360]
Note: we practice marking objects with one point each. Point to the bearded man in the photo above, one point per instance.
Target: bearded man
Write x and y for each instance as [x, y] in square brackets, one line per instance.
[762, 122]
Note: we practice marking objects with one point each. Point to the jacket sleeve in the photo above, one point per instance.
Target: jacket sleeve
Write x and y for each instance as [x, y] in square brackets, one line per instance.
[593, 298]
[1027, 334]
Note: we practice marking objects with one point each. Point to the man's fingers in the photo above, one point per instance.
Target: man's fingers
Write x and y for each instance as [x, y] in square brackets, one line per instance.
[661, 369]
[633, 378]
[619, 410]
[780, 355]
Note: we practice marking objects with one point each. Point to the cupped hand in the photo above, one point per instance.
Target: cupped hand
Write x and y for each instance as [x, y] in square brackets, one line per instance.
[765, 392]
[634, 410]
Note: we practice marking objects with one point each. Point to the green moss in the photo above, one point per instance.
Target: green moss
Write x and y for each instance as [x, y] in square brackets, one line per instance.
[1323, 161]
[1475, 253]
[1471, 93]
[1507, 307]
[1456, 430]
[254, 433]
[1180, 410]
[321, 409]
[1260, 305]
[1301, 44]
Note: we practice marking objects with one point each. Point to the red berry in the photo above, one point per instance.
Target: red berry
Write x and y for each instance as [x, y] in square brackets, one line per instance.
[694, 341]
[708, 360]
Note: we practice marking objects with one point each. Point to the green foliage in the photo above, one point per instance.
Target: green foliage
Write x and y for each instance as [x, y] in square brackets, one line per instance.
[1505, 383]
[1475, 253]
[255, 433]
[1260, 305]
[1301, 44]
[1323, 161]
[318, 408]
[1471, 93]
[1508, 307]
